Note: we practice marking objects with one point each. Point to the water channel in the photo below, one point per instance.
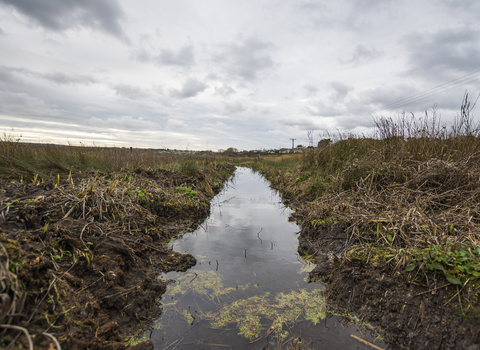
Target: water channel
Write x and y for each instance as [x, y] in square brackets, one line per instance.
[248, 289]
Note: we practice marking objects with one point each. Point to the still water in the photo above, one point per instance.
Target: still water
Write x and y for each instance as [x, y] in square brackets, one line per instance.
[248, 289]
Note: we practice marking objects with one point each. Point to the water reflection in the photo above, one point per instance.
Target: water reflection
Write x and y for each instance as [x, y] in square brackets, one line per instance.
[248, 289]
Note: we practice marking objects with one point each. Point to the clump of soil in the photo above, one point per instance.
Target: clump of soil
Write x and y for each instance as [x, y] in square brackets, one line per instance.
[84, 252]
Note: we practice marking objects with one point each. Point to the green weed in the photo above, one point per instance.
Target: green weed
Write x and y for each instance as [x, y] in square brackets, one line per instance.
[459, 265]
[186, 191]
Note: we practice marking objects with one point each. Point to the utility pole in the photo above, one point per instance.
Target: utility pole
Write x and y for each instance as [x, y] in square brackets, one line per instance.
[293, 142]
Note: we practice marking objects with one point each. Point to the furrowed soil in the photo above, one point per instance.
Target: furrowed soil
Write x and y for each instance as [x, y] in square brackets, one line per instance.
[412, 310]
[80, 255]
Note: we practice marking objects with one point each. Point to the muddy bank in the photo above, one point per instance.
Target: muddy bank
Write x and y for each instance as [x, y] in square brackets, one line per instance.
[82, 252]
[404, 307]
[419, 309]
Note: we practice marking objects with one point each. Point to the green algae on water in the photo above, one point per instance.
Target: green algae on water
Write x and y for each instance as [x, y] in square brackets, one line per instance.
[270, 314]
[206, 283]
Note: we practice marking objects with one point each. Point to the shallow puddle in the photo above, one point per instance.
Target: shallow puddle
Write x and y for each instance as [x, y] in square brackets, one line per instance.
[248, 289]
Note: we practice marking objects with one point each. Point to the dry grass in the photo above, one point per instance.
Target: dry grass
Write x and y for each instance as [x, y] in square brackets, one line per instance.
[411, 190]
[134, 200]
[19, 160]
[80, 222]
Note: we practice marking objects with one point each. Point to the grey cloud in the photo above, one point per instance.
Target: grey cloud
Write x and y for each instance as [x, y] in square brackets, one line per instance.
[142, 56]
[304, 123]
[161, 97]
[190, 88]
[322, 109]
[352, 122]
[93, 109]
[234, 107]
[23, 104]
[69, 79]
[361, 54]
[11, 75]
[60, 15]
[346, 14]
[382, 96]
[370, 5]
[262, 110]
[444, 54]
[2, 32]
[332, 106]
[340, 90]
[246, 58]
[224, 90]
[184, 57]
[310, 89]
[320, 14]
[461, 5]
[310, 6]
[124, 122]
[327, 123]
[130, 92]
[175, 124]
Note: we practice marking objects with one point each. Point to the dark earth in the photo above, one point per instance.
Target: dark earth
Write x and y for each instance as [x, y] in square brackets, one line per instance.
[409, 310]
[86, 251]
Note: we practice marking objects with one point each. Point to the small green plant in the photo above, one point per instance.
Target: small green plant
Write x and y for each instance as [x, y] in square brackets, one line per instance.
[89, 262]
[57, 256]
[141, 195]
[187, 191]
[13, 266]
[459, 265]
[302, 178]
[318, 223]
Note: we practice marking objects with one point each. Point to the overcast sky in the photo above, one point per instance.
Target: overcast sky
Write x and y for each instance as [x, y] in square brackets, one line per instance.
[249, 74]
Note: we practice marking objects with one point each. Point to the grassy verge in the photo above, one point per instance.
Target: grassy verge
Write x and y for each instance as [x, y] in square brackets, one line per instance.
[22, 160]
[408, 197]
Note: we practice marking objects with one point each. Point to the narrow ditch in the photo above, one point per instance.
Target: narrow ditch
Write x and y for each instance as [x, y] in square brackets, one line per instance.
[249, 289]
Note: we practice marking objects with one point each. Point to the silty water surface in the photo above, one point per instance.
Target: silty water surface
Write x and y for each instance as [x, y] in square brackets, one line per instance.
[248, 289]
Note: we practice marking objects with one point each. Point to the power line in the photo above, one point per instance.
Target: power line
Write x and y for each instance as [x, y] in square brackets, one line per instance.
[476, 73]
[466, 79]
[434, 94]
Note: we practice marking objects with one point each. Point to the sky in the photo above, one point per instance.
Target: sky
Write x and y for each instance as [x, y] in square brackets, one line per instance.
[249, 74]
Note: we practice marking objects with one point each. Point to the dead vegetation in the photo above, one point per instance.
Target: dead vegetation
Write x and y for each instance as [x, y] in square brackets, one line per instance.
[81, 251]
[405, 201]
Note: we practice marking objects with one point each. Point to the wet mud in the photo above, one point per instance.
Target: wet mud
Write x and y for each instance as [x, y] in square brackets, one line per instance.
[83, 253]
[410, 310]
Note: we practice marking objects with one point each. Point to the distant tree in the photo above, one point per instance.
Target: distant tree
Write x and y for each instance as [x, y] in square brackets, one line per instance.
[230, 151]
[324, 142]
